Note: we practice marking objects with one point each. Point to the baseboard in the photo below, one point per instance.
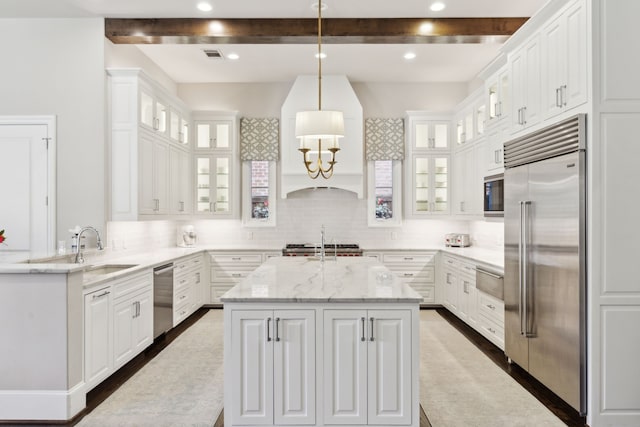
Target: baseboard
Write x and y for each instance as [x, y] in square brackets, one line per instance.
[53, 405]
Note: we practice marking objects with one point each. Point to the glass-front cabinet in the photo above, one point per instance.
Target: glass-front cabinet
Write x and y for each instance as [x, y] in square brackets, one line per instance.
[431, 184]
[430, 134]
[153, 112]
[214, 134]
[213, 192]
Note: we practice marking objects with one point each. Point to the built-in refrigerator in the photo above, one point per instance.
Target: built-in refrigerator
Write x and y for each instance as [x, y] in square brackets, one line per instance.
[544, 220]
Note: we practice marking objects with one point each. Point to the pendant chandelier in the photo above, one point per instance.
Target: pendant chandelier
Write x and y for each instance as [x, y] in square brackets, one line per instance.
[319, 130]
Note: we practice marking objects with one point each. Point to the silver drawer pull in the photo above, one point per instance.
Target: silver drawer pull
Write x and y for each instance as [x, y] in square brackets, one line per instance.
[183, 297]
[101, 295]
[491, 306]
[183, 281]
[408, 258]
[363, 338]
[236, 275]
[236, 258]
[449, 262]
[492, 330]
[277, 333]
[408, 274]
[371, 338]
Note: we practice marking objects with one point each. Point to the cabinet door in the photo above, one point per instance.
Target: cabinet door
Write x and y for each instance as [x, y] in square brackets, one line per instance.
[146, 197]
[97, 336]
[532, 83]
[222, 195]
[161, 176]
[294, 370]
[252, 363]
[429, 134]
[463, 289]
[214, 135]
[179, 172]
[451, 290]
[143, 322]
[123, 318]
[554, 65]
[147, 115]
[345, 367]
[389, 367]
[575, 92]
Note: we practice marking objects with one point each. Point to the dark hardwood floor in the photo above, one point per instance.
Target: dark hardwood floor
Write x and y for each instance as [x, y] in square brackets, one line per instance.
[562, 410]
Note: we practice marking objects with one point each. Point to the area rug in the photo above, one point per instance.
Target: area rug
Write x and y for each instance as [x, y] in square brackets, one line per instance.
[460, 386]
[181, 386]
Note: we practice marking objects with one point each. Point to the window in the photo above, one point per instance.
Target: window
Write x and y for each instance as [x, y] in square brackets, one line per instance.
[384, 193]
[258, 208]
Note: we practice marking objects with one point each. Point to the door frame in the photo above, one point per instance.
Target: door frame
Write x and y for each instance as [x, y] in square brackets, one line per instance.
[50, 122]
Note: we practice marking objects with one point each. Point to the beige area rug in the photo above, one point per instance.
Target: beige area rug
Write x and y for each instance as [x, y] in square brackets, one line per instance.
[181, 386]
[460, 386]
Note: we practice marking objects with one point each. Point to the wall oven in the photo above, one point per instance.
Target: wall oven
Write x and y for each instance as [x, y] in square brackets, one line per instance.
[494, 195]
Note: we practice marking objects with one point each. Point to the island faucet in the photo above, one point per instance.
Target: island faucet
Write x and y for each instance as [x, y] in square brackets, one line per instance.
[79, 258]
[322, 243]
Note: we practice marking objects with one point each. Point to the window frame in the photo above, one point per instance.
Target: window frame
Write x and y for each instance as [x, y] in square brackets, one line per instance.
[396, 221]
[247, 219]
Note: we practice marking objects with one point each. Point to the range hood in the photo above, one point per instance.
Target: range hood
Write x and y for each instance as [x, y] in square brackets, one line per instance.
[337, 94]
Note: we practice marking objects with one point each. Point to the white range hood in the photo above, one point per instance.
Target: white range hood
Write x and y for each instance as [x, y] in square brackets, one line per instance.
[337, 94]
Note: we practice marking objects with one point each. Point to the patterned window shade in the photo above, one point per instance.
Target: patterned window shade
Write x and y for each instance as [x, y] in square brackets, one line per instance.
[384, 139]
[259, 139]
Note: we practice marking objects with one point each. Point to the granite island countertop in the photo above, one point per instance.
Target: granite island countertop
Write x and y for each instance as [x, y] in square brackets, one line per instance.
[302, 279]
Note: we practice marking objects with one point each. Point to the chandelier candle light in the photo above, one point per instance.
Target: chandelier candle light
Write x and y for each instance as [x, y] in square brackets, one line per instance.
[321, 127]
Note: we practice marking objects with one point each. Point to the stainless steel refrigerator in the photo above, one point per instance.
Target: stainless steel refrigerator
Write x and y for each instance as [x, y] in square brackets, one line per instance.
[544, 220]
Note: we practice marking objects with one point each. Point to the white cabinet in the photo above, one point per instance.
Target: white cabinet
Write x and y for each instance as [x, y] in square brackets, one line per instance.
[450, 283]
[493, 151]
[490, 318]
[498, 96]
[98, 341]
[153, 174]
[425, 133]
[416, 269]
[180, 194]
[187, 287]
[274, 354]
[229, 268]
[467, 182]
[564, 60]
[367, 365]
[133, 317]
[429, 176]
[525, 71]
[139, 118]
[214, 134]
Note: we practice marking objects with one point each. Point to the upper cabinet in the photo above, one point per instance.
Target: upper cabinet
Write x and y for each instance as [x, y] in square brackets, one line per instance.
[148, 148]
[524, 66]
[429, 134]
[497, 96]
[564, 61]
[217, 166]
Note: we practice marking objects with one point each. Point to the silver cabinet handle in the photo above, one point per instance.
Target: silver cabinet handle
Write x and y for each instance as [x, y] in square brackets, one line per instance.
[236, 258]
[408, 258]
[461, 206]
[524, 115]
[523, 288]
[371, 338]
[197, 277]
[492, 330]
[500, 104]
[138, 308]
[465, 287]
[408, 274]
[362, 337]
[448, 278]
[491, 306]
[277, 334]
[563, 94]
[181, 206]
[135, 310]
[101, 295]
[210, 207]
[268, 323]
[559, 96]
[488, 273]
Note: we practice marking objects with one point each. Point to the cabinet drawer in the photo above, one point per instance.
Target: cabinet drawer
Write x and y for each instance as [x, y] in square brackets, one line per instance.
[181, 282]
[491, 330]
[187, 264]
[407, 258]
[231, 274]
[468, 269]
[491, 307]
[181, 313]
[428, 292]
[450, 262]
[218, 290]
[236, 259]
[181, 297]
[425, 274]
[132, 284]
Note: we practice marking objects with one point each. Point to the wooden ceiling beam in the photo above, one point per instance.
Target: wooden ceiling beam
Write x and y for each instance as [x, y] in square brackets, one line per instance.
[305, 31]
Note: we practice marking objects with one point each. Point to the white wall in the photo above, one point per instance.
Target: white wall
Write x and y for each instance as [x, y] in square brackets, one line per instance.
[377, 99]
[56, 66]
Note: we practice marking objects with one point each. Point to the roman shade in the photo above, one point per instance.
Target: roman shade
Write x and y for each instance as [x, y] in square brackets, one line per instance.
[259, 139]
[384, 139]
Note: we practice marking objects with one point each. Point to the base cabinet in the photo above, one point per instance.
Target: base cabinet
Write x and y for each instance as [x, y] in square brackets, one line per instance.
[367, 365]
[98, 343]
[274, 356]
[333, 365]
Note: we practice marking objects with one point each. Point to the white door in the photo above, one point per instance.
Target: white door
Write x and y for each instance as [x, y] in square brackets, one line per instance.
[345, 367]
[143, 325]
[123, 316]
[389, 367]
[252, 364]
[24, 186]
[294, 370]
[146, 196]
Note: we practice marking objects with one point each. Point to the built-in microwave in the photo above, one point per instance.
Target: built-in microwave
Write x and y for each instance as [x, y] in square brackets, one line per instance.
[494, 195]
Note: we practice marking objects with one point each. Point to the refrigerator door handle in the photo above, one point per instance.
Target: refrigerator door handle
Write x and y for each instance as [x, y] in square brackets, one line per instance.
[524, 267]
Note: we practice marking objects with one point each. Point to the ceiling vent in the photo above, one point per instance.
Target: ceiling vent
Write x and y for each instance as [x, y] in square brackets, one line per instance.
[213, 53]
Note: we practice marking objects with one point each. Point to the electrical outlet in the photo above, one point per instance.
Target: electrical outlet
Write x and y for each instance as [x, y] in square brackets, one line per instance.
[394, 235]
[248, 235]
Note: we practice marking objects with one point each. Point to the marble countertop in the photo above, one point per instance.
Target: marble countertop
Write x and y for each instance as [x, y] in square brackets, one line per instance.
[300, 279]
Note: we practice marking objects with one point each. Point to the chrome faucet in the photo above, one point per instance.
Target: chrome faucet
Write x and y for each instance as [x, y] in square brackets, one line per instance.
[79, 257]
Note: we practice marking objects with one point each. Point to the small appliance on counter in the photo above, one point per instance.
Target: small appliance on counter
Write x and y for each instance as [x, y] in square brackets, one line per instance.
[189, 237]
[457, 240]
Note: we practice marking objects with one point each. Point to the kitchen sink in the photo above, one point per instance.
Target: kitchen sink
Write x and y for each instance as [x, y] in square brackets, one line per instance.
[101, 270]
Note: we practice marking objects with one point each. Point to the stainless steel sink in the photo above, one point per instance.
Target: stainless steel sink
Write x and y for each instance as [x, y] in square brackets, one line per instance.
[101, 270]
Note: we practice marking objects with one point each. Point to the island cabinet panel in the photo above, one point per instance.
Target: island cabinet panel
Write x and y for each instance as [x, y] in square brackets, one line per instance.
[345, 367]
[273, 356]
[98, 343]
[367, 367]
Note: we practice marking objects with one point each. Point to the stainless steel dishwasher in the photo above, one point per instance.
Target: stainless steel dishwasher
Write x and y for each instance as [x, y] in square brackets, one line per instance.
[162, 299]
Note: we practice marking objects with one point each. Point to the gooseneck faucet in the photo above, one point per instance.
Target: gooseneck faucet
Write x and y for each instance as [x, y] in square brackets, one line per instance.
[79, 257]
[322, 244]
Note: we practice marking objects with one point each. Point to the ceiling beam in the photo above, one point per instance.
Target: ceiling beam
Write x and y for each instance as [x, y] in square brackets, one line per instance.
[305, 31]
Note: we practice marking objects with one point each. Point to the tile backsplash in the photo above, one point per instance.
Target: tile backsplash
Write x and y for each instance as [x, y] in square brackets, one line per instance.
[299, 219]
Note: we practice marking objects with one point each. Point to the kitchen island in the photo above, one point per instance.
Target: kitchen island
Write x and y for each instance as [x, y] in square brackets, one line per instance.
[321, 343]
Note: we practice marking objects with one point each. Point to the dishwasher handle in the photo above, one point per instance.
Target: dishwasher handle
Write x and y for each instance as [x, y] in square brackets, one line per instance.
[163, 269]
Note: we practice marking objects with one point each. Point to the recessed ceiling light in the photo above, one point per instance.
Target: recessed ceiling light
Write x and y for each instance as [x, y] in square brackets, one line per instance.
[437, 6]
[409, 55]
[216, 27]
[324, 6]
[233, 56]
[204, 7]
[321, 55]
